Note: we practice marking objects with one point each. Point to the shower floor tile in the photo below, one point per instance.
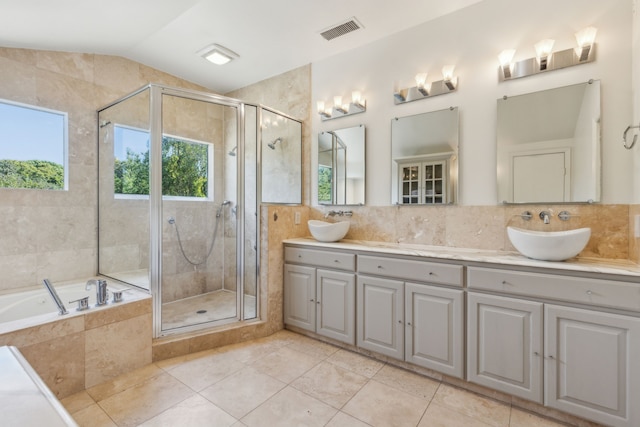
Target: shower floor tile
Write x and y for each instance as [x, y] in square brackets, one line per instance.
[209, 307]
[342, 389]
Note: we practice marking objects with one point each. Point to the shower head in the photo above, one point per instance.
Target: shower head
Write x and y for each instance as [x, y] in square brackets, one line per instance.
[233, 151]
[272, 145]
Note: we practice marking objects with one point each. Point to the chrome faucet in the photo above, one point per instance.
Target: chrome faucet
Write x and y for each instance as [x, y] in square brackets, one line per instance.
[338, 213]
[101, 290]
[545, 216]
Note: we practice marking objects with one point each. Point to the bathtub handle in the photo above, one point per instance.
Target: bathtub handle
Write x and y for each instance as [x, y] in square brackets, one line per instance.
[83, 303]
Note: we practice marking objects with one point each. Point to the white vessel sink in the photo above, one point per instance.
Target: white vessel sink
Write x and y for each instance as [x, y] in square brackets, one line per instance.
[324, 231]
[549, 245]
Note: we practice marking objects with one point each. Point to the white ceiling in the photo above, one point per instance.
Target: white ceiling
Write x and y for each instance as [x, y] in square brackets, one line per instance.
[271, 36]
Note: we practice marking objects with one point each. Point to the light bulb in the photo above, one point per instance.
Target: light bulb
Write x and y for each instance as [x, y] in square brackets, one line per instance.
[506, 56]
[586, 36]
[421, 79]
[447, 72]
[337, 101]
[355, 97]
[320, 106]
[544, 47]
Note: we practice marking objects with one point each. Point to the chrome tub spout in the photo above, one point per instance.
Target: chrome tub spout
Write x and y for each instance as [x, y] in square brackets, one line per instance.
[54, 295]
[102, 295]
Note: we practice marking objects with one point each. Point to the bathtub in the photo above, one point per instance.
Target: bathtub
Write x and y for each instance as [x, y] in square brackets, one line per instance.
[17, 308]
[80, 349]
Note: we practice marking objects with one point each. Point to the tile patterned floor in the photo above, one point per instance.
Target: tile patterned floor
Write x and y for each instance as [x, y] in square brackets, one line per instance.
[285, 380]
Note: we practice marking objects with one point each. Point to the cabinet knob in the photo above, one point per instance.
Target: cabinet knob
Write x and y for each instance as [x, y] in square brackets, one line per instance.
[408, 323]
[380, 267]
[504, 282]
[589, 293]
[299, 256]
[335, 260]
[317, 302]
[536, 353]
[399, 321]
[431, 273]
[312, 300]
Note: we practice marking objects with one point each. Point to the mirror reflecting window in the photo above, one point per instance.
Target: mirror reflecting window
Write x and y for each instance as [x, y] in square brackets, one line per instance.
[424, 154]
[341, 155]
[281, 158]
[548, 145]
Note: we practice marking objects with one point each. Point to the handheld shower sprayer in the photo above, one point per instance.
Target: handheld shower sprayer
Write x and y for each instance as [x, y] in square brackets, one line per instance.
[232, 153]
[272, 145]
[222, 205]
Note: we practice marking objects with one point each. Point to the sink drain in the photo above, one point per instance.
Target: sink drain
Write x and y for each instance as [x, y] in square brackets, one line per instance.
[201, 311]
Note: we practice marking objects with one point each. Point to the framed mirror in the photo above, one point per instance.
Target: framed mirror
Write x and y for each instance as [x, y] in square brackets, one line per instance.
[548, 145]
[341, 156]
[424, 158]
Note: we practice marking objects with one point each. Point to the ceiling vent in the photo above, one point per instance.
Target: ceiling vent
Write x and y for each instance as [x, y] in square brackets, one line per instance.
[341, 29]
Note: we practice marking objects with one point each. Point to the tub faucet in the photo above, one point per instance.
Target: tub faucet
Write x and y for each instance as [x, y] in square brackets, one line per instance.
[101, 290]
[545, 216]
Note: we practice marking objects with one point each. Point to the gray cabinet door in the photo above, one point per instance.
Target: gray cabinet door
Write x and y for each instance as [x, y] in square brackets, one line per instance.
[335, 305]
[504, 344]
[300, 296]
[380, 324]
[434, 321]
[592, 365]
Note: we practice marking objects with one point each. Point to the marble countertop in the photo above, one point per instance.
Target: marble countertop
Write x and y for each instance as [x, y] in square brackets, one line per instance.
[590, 265]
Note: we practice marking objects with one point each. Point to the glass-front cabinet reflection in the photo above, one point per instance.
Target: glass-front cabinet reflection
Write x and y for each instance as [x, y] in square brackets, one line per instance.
[424, 182]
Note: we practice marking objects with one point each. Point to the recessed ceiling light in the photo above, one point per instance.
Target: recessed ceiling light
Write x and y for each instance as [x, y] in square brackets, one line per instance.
[217, 54]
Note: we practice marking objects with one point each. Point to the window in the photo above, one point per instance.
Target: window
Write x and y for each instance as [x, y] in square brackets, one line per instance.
[187, 165]
[33, 147]
[325, 193]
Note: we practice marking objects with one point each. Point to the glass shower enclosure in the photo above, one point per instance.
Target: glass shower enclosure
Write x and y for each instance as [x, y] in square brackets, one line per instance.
[178, 204]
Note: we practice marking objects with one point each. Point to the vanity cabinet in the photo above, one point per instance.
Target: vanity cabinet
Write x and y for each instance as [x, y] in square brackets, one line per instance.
[318, 299]
[588, 358]
[504, 344]
[417, 322]
[592, 364]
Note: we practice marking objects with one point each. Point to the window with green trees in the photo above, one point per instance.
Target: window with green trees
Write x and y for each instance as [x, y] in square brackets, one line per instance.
[33, 144]
[186, 164]
[324, 184]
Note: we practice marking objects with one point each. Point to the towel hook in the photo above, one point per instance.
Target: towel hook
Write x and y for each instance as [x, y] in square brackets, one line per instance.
[624, 137]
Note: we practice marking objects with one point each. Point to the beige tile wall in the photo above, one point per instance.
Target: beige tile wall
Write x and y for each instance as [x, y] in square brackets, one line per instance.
[43, 230]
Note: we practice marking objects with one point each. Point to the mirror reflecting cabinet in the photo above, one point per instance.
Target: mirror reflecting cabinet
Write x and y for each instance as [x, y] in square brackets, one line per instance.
[548, 145]
[341, 156]
[424, 154]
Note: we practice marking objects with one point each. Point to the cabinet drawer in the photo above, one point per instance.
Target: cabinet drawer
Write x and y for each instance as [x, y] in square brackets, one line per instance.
[583, 290]
[336, 260]
[422, 271]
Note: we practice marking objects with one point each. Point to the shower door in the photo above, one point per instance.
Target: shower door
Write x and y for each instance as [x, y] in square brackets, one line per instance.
[199, 149]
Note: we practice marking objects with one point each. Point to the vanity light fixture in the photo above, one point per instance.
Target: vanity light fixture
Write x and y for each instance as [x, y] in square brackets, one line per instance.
[544, 50]
[340, 109]
[546, 59]
[447, 77]
[505, 58]
[585, 38]
[424, 89]
[217, 54]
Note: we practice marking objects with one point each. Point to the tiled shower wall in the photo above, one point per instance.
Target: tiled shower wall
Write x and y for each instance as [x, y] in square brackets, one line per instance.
[52, 234]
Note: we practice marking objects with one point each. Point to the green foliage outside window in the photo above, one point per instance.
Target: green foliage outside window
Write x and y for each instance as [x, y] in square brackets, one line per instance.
[185, 168]
[324, 184]
[39, 174]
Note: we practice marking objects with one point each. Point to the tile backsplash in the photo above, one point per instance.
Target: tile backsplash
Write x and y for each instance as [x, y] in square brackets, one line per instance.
[484, 227]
